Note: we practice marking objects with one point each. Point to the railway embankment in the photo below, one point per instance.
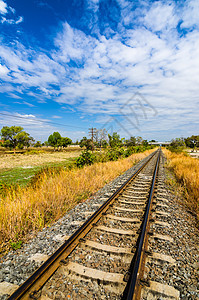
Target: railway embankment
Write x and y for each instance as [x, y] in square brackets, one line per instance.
[170, 269]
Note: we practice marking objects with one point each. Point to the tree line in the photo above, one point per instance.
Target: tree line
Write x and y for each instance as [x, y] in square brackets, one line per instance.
[15, 137]
[112, 141]
[178, 144]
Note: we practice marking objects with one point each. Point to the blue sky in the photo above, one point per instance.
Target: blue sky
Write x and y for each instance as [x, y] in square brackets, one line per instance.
[128, 66]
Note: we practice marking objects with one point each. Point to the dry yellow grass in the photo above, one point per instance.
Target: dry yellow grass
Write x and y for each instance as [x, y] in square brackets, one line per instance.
[186, 170]
[33, 207]
[20, 160]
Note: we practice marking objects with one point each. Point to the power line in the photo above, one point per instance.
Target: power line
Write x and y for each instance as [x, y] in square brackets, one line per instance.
[41, 121]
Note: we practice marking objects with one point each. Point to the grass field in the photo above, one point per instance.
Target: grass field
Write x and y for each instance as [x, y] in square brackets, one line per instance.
[20, 168]
[30, 208]
[186, 170]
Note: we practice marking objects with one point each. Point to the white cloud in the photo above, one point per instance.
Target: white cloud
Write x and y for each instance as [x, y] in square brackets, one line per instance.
[20, 19]
[3, 7]
[3, 70]
[56, 117]
[8, 21]
[190, 15]
[28, 104]
[161, 17]
[11, 21]
[12, 9]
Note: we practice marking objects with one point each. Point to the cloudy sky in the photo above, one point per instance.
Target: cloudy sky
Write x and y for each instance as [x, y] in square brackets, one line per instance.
[127, 66]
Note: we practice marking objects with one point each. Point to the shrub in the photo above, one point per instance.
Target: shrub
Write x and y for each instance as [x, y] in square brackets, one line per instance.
[86, 158]
[101, 157]
[177, 145]
[115, 154]
[129, 151]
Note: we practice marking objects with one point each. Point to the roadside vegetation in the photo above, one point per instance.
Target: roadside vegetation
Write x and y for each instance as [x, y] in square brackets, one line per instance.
[51, 194]
[179, 145]
[39, 182]
[31, 157]
[186, 170]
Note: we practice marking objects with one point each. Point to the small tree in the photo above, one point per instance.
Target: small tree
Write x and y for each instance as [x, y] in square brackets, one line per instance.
[192, 141]
[177, 145]
[15, 137]
[86, 143]
[65, 141]
[54, 140]
[131, 142]
[145, 143]
[114, 140]
[38, 144]
[45, 144]
[139, 140]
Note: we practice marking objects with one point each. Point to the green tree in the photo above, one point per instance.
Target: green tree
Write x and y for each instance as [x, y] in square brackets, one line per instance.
[65, 141]
[104, 143]
[145, 143]
[177, 145]
[86, 143]
[38, 144]
[54, 140]
[152, 141]
[15, 137]
[114, 140]
[192, 141]
[131, 142]
[139, 140]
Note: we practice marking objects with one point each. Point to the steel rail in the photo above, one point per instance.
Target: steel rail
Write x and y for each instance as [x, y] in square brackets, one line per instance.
[34, 283]
[133, 287]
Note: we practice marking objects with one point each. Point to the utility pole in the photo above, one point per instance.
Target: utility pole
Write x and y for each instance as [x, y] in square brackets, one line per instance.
[93, 134]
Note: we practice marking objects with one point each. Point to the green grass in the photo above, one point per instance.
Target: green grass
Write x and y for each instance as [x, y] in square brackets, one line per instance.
[22, 175]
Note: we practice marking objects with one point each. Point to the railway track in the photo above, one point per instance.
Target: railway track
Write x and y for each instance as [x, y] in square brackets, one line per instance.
[106, 257]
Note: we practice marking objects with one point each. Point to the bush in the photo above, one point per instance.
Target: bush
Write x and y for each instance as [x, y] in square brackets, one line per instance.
[129, 151]
[115, 153]
[101, 157]
[177, 145]
[175, 149]
[137, 149]
[86, 158]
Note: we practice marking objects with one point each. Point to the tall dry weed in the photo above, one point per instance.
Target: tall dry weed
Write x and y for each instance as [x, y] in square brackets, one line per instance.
[27, 209]
[186, 170]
